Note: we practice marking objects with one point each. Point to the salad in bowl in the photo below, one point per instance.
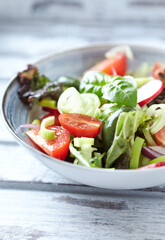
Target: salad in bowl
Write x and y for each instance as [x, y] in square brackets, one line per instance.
[110, 117]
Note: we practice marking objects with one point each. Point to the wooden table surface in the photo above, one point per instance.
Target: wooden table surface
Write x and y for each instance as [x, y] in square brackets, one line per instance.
[36, 203]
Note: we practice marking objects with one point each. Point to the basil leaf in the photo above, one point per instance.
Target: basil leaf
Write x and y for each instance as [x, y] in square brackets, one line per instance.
[121, 90]
[93, 81]
[116, 89]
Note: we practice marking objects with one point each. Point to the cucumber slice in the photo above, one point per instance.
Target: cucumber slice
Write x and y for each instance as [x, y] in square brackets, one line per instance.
[36, 122]
[78, 142]
[85, 146]
[47, 103]
[46, 133]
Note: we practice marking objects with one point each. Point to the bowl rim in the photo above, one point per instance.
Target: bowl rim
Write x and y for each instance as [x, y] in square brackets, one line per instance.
[58, 161]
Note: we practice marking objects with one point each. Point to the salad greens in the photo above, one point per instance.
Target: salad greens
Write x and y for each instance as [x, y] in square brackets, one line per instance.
[109, 126]
[126, 127]
[93, 82]
[82, 159]
[109, 129]
[121, 90]
[30, 80]
[115, 89]
[86, 103]
[35, 87]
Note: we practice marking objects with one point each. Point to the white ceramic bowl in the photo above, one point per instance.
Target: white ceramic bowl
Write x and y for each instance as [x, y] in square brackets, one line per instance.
[74, 63]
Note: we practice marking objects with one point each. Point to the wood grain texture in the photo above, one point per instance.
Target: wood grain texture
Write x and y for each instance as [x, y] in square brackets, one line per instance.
[41, 215]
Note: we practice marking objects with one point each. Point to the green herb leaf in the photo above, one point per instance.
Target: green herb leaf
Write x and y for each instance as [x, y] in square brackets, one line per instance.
[121, 90]
[115, 89]
[93, 81]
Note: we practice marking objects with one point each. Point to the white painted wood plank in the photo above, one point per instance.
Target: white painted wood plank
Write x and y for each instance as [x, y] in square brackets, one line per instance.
[111, 31]
[52, 215]
[85, 11]
[18, 50]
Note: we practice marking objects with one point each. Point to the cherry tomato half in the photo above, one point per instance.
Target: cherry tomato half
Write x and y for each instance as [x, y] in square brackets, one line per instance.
[160, 136]
[57, 148]
[158, 71]
[80, 125]
[117, 64]
[51, 110]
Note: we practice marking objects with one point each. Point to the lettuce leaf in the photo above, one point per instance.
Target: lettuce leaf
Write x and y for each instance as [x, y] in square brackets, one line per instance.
[127, 125]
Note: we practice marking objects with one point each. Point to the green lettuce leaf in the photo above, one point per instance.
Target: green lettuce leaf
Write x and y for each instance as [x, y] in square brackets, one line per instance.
[126, 127]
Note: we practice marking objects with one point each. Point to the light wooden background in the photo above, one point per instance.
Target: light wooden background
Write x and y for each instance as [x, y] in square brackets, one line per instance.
[36, 203]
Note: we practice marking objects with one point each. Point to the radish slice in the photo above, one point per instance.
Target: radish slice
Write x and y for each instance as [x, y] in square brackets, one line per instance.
[149, 91]
[154, 165]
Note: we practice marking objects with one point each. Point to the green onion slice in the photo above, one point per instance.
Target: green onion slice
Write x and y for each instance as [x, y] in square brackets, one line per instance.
[136, 151]
[46, 133]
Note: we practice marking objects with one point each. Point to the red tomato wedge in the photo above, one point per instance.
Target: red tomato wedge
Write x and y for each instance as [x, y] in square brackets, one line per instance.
[110, 66]
[80, 125]
[51, 110]
[154, 165]
[158, 71]
[57, 148]
[160, 136]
